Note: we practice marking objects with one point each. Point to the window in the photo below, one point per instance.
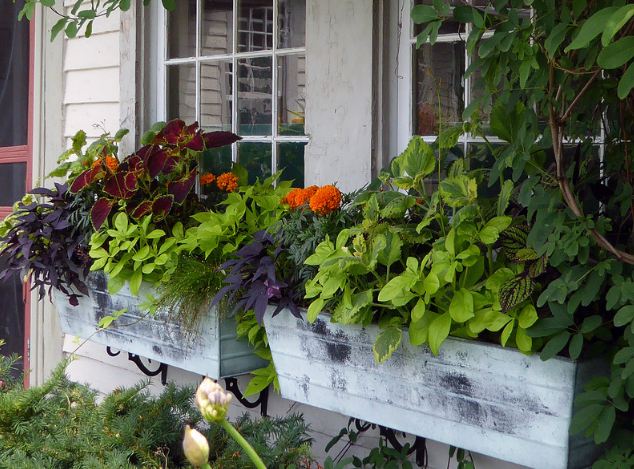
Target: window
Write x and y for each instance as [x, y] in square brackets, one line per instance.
[240, 65]
[438, 92]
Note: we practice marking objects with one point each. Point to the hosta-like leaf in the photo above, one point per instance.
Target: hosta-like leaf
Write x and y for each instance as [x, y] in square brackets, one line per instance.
[515, 290]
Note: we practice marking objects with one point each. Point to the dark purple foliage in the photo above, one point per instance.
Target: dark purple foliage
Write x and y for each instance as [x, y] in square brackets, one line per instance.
[254, 274]
[41, 243]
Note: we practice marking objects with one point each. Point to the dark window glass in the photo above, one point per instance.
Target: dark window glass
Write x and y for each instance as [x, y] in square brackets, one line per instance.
[12, 182]
[14, 76]
[12, 316]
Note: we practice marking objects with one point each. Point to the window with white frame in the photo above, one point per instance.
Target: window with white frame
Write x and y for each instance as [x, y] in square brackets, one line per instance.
[438, 92]
[240, 65]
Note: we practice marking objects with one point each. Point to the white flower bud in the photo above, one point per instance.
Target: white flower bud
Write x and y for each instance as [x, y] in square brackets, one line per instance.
[212, 400]
[195, 446]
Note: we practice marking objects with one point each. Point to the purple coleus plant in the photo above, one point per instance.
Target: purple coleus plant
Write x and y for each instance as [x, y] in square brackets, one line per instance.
[42, 243]
[254, 274]
[158, 176]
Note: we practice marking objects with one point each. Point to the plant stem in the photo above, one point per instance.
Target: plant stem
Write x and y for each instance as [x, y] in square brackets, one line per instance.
[205, 466]
[242, 442]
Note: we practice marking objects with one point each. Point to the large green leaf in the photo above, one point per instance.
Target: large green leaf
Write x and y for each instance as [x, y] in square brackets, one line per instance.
[617, 53]
[626, 83]
[386, 343]
[461, 307]
[418, 159]
[617, 20]
[591, 29]
[438, 331]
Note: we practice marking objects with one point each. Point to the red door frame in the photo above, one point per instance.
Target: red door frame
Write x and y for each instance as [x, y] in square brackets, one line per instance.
[24, 154]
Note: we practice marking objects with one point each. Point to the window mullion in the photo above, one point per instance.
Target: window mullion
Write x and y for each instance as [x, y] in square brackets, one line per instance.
[197, 63]
[274, 86]
[234, 82]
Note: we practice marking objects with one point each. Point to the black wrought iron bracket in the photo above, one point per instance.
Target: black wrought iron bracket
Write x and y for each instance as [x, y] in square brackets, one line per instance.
[136, 359]
[231, 384]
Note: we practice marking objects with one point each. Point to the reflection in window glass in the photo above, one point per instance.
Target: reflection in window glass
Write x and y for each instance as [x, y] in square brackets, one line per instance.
[181, 89]
[438, 84]
[291, 160]
[12, 183]
[255, 91]
[14, 76]
[256, 158]
[292, 23]
[181, 27]
[255, 25]
[215, 91]
[217, 27]
[291, 81]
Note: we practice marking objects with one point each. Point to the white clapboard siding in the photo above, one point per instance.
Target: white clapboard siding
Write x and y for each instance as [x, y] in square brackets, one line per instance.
[93, 118]
[478, 396]
[92, 86]
[100, 51]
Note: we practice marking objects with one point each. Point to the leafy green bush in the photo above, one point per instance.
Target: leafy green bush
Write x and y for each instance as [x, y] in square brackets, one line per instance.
[64, 425]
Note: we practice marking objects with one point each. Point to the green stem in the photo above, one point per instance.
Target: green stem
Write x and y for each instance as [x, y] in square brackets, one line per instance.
[244, 443]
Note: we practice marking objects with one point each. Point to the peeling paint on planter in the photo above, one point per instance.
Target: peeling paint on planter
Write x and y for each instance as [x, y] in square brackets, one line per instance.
[213, 351]
[482, 397]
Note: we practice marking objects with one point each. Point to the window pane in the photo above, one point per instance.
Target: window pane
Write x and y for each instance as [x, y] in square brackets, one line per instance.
[291, 82]
[292, 23]
[181, 92]
[217, 27]
[449, 26]
[438, 76]
[14, 76]
[256, 158]
[215, 92]
[12, 316]
[255, 25]
[181, 30]
[255, 96]
[290, 157]
[12, 183]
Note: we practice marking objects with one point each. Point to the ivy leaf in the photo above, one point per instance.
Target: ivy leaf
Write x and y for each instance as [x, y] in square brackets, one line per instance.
[515, 290]
[386, 343]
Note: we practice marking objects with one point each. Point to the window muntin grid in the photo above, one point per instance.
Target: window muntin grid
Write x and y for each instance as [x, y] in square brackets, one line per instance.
[240, 65]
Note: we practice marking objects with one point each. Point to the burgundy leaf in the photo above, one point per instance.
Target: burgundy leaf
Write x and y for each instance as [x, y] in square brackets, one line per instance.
[100, 212]
[156, 161]
[82, 181]
[219, 139]
[170, 164]
[196, 143]
[130, 183]
[181, 188]
[131, 163]
[118, 186]
[142, 209]
[172, 131]
[131, 206]
[161, 206]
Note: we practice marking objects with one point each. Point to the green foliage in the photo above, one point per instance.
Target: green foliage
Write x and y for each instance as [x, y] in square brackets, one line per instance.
[64, 425]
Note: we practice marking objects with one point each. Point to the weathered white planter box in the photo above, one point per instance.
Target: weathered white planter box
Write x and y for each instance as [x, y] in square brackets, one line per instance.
[477, 396]
[214, 351]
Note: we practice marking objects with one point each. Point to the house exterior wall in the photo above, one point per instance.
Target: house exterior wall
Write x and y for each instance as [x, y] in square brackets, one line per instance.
[96, 92]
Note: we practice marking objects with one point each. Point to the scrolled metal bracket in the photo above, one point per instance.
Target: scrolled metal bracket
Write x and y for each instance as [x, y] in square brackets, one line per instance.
[136, 359]
[231, 384]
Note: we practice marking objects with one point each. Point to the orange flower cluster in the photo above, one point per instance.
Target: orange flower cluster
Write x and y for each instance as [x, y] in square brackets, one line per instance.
[298, 197]
[322, 200]
[111, 162]
[207, 179]
[326, 200]
[227, 182]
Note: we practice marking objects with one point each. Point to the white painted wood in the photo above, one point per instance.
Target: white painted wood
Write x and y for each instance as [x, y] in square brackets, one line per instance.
[100, 51]
[93, 118]
[213, 350]
[339, 92]
[477, 396]
[87, 86]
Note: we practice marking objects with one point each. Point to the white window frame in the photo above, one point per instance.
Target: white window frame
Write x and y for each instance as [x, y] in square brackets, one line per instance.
[275, 53]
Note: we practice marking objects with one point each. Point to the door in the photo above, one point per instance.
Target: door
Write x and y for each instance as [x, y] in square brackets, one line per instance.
[15, 161]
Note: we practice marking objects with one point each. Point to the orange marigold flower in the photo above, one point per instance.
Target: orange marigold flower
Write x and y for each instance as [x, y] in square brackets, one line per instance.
[326, 200]
[111, 162]
[309, 192]
[295, 198]
[227, 182]
[207, 179]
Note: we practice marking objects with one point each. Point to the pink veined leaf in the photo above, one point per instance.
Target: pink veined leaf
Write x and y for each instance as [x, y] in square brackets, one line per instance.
[156, 161]
[81, 182]
[142, 209]
[180, 189]
[196, 143]
[161, 206]
[100, 212]
[118, 186]
[219, 139]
